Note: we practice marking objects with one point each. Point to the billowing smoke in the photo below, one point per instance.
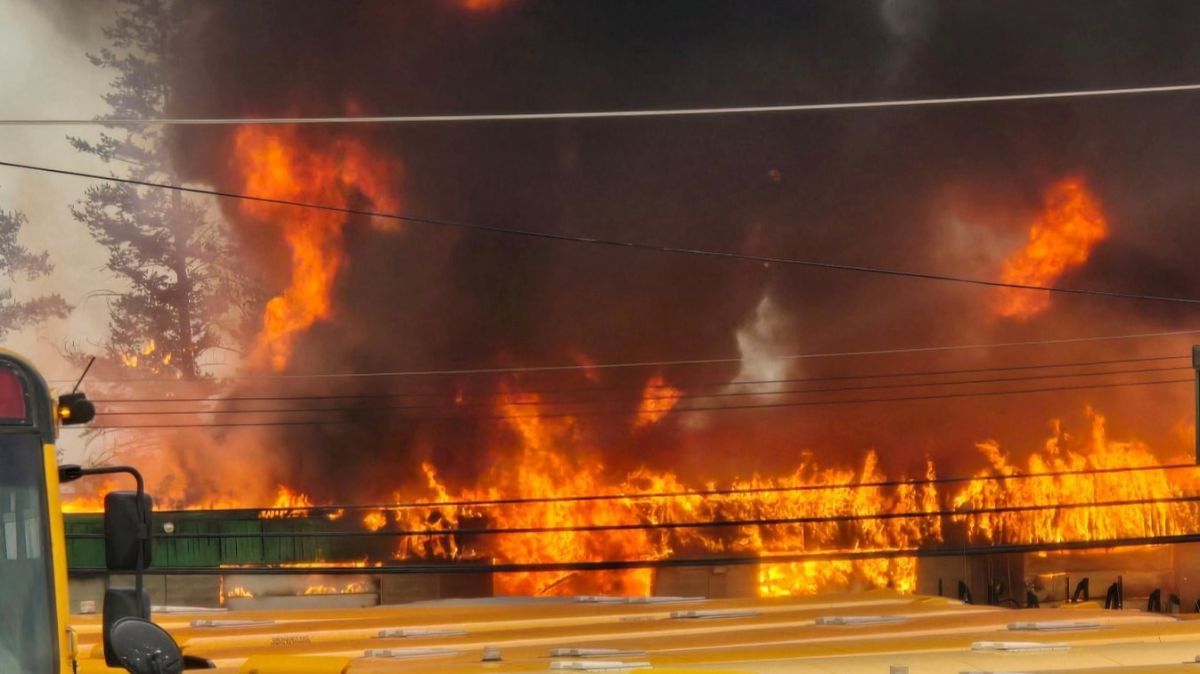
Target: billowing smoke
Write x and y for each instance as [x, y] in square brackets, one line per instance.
[945, 189]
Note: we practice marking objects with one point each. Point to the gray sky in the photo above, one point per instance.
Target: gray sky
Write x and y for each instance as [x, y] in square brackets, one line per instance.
[45, 70]
[47, 74]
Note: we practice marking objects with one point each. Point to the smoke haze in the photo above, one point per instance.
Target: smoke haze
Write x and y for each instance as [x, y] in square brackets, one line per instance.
[945, 189]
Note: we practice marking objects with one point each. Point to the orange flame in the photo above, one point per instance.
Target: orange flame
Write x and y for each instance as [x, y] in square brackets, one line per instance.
[549, 462]
[349, 588]
[343, 564]
[550, 458]
[276, 163]
[142, 356]
[91, 501]
[1061, 238]
[482, 5]
[657, 400]
[374, 520]
[288, 504]
[1065, 453]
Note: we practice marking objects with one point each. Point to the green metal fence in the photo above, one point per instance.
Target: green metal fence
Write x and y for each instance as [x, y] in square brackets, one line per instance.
[200, 539]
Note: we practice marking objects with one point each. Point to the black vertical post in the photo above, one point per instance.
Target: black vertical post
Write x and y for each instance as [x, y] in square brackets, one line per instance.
[1196, 367]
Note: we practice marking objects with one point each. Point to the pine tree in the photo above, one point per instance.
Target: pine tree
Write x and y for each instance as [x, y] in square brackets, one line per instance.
[18, 261]
[174, 257]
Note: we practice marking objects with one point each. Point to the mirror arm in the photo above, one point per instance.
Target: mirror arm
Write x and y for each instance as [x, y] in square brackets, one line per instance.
[71, 472]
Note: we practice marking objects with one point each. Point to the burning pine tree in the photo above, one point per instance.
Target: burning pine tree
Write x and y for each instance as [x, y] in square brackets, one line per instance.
[176, 265]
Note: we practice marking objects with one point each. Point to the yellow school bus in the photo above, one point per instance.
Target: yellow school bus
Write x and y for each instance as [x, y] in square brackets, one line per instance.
[34, 633]
[35, 637]
[33, 563]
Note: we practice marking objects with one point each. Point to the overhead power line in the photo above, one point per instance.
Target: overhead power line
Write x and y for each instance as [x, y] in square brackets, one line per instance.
[648, 386]
[708, 493]
[612, 114]
[616, 243]
[688, 362]
[751, 491]
[620, 401]
[676, 410]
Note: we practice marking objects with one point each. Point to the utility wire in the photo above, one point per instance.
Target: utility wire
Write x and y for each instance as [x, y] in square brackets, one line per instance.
[615, 243]
[649, 386]
[706, 493]
[703, 361]
[676, 410]
[617, 401]
[692, 524]
[609, 114]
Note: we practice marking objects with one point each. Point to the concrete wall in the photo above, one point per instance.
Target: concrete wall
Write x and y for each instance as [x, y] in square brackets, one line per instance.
[1185, 562]
[977, 572]
[205, 590]
[1171, 569]
[1141, 570]
[397, 588]
[714, 582]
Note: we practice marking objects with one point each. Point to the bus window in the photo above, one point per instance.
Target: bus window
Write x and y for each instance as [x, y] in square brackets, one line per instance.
[27, 632]
[12, 397]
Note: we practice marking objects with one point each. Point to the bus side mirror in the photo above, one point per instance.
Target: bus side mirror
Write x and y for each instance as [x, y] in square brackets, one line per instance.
[120, 604]
[125, 532]
[145, 648]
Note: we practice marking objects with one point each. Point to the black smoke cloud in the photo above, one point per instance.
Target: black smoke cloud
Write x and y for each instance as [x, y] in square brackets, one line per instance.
[948, 189]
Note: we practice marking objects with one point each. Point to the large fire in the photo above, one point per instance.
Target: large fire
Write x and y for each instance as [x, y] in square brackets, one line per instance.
[277, 163]
[550, 466]
[1063, 453]
[1060, 239]
[548, 461]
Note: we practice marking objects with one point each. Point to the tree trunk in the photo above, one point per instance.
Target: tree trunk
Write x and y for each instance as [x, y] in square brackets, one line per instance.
[183, 284]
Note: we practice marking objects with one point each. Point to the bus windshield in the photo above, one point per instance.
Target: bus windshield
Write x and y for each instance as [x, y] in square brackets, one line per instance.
[27, 630]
